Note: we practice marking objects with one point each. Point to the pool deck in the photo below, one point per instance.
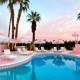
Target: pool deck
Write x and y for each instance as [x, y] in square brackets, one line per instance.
[21, 59]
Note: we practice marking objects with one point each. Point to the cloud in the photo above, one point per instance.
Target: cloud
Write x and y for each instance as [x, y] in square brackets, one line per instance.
[58, 28]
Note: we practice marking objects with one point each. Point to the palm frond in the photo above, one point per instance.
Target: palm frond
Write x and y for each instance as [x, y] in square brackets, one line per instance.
[38, 18]
[34, 16]
[25, 5]
[27, 1]
[29, 19]
[78, 16]
[14, 1]
[3, 1]
[29, 15]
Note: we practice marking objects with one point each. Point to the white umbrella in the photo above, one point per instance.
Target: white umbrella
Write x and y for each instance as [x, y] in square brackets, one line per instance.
[10, 41]
[58, 42]
[3, 39]
[21, 40]
[39, 41]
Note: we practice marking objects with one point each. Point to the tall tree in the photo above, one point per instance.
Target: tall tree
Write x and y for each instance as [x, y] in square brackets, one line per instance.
[24, 5]
[9, 27]
[12, 15]
[33, 17]
[9, 21]
[12, 12]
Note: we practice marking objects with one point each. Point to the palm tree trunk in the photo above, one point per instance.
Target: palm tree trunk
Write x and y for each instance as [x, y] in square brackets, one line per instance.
[18, 19]
[9, 27]
[33, 36]
[12, 16]
[33, 40]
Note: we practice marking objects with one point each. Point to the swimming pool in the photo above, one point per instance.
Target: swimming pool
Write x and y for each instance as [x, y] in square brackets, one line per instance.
[45, 67]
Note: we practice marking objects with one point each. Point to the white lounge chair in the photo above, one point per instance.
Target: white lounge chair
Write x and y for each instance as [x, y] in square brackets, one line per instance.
[55, 48]
[23, 49]
[61, 49]
[21, 52]
[36, 49]
[42, 49]
[8, 55]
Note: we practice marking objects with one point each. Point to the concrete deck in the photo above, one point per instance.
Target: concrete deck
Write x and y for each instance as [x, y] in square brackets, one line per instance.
[21, 59]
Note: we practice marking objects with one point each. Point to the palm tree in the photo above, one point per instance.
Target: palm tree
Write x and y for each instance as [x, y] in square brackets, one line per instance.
[12, 15]
[12, 12]
[33, 18]
[9, 21]
[9, 27]
[24, 5]
[78, 16]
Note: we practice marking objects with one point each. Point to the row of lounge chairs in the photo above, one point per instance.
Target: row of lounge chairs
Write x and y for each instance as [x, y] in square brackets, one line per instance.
[42, 49]
[54, 49]
[8, 55]
[61, 49]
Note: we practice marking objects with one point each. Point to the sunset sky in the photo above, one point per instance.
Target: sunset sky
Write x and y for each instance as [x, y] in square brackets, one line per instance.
[58, 19]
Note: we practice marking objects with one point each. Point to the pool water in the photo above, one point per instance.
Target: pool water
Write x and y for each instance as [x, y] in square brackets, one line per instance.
[45, 67]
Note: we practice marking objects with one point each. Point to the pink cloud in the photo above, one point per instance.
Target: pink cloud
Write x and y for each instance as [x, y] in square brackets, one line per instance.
[60, 28]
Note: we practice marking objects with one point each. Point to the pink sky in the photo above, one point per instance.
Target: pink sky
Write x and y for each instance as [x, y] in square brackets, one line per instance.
[57, 21]
[60, 28]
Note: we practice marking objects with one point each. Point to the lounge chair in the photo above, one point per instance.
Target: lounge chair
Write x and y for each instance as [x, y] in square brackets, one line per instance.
[61, 49]
[42, 49]
[23, 49]
[8, 55]
[55, 48]
[36, 49]
[21, 52]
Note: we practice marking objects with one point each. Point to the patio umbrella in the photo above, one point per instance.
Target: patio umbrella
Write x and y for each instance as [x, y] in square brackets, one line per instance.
[10, 41]
[39, 41]
[3, 39]
[21, 40]
[58, 42]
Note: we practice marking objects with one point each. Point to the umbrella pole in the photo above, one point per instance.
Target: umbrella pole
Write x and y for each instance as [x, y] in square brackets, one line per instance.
[8, 45]
[58, 46]
[12, 46]
[39, 46]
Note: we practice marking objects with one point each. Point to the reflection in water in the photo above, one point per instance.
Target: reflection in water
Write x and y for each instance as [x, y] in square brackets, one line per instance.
[11, 74]
[33, 75]
[22, 71]
[39, 62]
[69, 58]
[43, 66]
[58, 62]
[77, 72]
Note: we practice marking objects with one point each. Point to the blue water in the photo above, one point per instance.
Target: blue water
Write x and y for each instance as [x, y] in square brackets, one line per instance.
[45, 67]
